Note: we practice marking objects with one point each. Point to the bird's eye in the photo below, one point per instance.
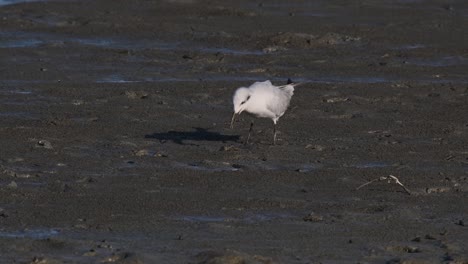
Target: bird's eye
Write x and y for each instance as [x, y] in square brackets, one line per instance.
[243, 102]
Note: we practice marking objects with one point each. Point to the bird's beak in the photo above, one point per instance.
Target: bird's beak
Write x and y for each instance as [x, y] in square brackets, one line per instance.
[232, 120]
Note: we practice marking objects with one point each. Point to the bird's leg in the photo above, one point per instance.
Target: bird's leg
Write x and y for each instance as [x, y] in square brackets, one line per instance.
[250, 131]
[274, 133]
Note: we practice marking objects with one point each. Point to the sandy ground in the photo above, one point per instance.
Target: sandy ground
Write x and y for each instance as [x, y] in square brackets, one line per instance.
[116, 146]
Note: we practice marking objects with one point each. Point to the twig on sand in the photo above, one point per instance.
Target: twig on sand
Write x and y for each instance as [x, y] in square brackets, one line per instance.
[389, 179]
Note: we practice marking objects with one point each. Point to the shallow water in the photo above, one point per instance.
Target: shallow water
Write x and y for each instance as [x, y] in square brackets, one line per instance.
[169, 71]
[30, 233]
[410, 47]
[11, 2]
[247, 217]
[369, 165]
[443, 61]
[200, 167]
[25, 92]
[116, 78]
[20, 39]
[20, 115]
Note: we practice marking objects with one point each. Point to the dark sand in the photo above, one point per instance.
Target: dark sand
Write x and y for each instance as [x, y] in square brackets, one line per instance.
[115, 146]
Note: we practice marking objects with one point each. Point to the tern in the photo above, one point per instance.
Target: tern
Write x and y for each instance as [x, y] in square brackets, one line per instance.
[263, 100]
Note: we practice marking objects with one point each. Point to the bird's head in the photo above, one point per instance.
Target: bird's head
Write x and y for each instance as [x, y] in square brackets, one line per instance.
[241, 97]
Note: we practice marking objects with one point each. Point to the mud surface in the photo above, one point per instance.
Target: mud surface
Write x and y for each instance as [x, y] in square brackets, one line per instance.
[116, 147]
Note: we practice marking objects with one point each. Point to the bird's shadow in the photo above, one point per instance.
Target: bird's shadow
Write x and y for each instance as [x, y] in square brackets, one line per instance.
[200, 134]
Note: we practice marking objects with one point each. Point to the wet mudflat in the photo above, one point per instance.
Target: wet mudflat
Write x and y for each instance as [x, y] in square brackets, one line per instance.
[116, 147]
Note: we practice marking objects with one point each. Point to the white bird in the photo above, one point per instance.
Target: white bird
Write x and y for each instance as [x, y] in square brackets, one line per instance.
[263, 99]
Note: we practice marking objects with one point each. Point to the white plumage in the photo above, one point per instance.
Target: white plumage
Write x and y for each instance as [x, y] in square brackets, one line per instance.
[264, 100]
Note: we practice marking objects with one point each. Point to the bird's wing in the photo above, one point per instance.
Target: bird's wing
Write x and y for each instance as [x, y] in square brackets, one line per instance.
[289, 88]
[279, 102]
[266, 83]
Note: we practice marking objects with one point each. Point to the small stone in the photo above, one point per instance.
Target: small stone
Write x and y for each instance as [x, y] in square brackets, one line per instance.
[335, 39]
[12, 185]
[316, 147]
[336, 99]
[78, 102]
[405, 249]
[86, 180]
[3, 213]
[257, 70]
[142, 152]
[127, 258]
[228, 148]
[90, 253]
[448, 7]
[81, 226]
[438, 189]
[12, 160]
[429, 237]
[45, 144]
[136, 94]
[460, 223]
[66, 188]
[230, 257]
[272, 49]
[313, 218]
[410, 249]
[237, 166]
[37, 260]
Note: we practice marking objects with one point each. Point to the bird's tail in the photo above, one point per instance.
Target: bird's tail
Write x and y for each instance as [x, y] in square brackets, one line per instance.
[289, 85]
[290, 82]
[295, 84]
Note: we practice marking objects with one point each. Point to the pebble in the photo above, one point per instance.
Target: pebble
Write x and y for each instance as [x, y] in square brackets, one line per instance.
[136, 94]
[336, 99]
[438, 189]
[90, 253]
[142, 152]
[12, 185]
[77, 102]
[272, 49]
[16, 174]
[45, 144]
[127, 258]
[313, 218]
[3, 213]
[316, 147]
[230, 257]
[228, 148]
[41, 260]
